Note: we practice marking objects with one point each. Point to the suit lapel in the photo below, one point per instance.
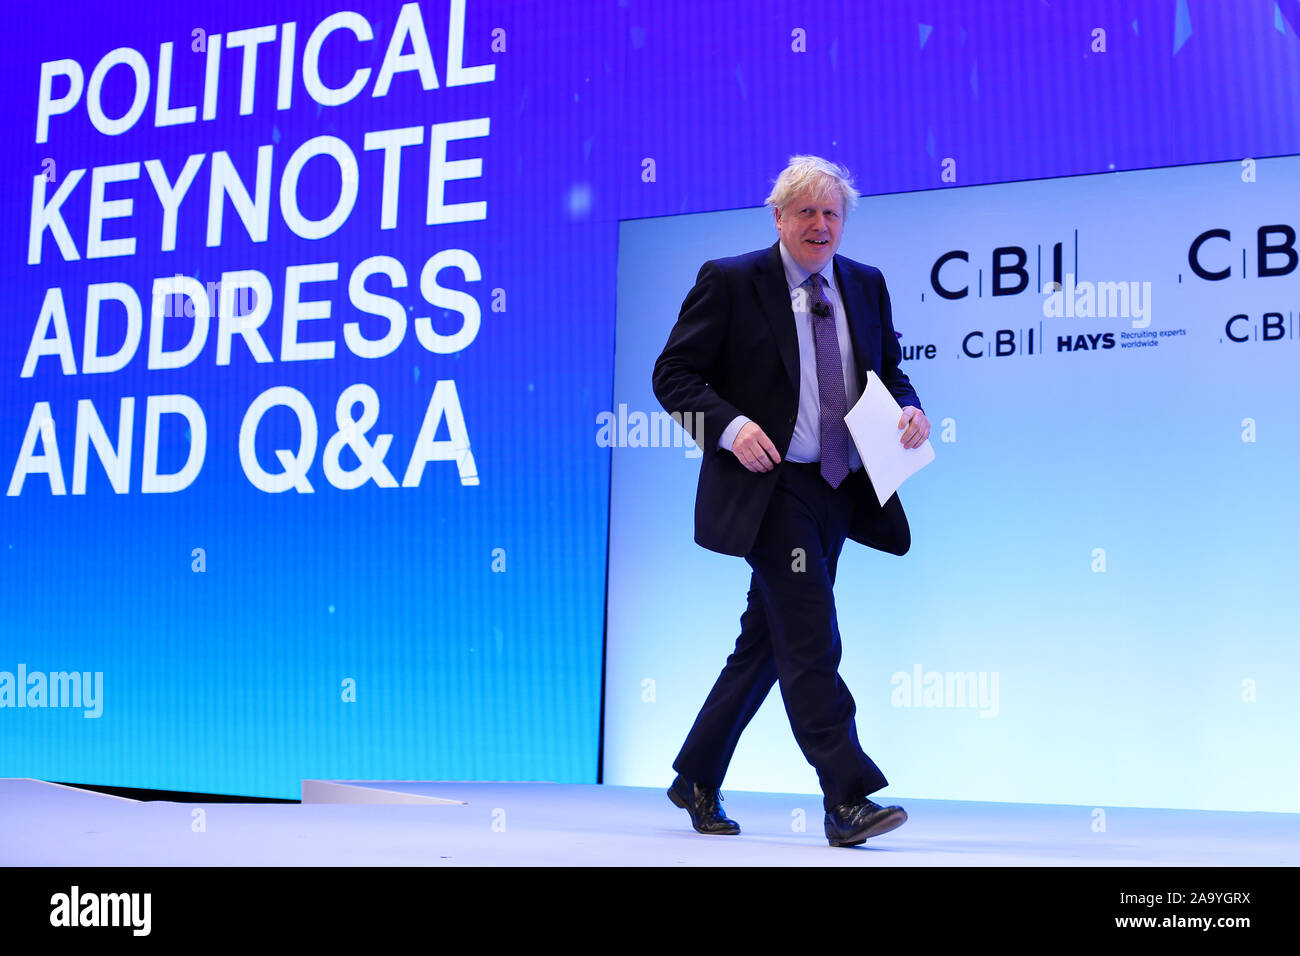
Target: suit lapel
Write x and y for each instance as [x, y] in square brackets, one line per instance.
[774, 299]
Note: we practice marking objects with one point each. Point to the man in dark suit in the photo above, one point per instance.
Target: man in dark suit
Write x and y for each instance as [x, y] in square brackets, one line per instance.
[769, 351]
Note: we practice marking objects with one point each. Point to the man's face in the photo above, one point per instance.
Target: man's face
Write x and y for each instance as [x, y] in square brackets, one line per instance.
[811, 226]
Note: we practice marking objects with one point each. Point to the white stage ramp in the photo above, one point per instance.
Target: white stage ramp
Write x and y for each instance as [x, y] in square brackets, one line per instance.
[412, 823]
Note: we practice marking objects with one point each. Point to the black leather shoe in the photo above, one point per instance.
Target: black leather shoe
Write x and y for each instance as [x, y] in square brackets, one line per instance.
[851, 823]
[704, 806]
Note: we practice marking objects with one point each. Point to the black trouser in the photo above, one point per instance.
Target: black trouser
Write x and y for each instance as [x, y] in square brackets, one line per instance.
[789, 633]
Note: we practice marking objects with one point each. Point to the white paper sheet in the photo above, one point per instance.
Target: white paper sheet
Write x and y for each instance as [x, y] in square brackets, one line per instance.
[873, 423]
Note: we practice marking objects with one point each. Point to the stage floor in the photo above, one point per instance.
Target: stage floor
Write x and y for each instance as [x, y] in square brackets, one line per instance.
[400, 823]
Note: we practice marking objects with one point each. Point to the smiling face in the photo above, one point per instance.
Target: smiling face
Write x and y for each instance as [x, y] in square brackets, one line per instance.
[811, 226]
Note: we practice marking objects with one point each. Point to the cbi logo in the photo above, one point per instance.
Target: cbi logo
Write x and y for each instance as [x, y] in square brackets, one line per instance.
[1213, 259]
[1008, 276]
[1007, 272]
[1267, 248]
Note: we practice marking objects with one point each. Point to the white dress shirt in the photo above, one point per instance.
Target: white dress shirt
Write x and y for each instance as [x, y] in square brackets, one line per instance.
[805, 444]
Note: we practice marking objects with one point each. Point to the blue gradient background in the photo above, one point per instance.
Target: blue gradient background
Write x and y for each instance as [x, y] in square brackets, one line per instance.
[229, 681]
[1122, 688]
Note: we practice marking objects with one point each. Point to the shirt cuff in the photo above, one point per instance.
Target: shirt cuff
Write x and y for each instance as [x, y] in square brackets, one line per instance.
[731, 431]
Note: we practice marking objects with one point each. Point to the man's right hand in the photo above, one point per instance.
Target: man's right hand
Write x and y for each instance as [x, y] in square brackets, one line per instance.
[754, 449]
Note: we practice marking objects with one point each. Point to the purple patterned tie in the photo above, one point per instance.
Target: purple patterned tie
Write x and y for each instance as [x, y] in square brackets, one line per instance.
[830, 387]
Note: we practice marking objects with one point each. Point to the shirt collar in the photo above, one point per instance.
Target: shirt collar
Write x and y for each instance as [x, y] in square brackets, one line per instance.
[795, 274]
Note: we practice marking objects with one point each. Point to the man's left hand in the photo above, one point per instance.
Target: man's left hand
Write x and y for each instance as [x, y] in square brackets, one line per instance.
[916, 427]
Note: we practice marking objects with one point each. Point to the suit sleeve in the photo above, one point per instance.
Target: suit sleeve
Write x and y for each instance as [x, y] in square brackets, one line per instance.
[689, 361]
[891, 353]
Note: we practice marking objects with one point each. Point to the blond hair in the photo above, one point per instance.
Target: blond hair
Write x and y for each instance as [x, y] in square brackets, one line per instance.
[814, 175]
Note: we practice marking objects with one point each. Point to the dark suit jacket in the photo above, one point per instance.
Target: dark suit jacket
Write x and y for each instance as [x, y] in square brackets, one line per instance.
[734, 351]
